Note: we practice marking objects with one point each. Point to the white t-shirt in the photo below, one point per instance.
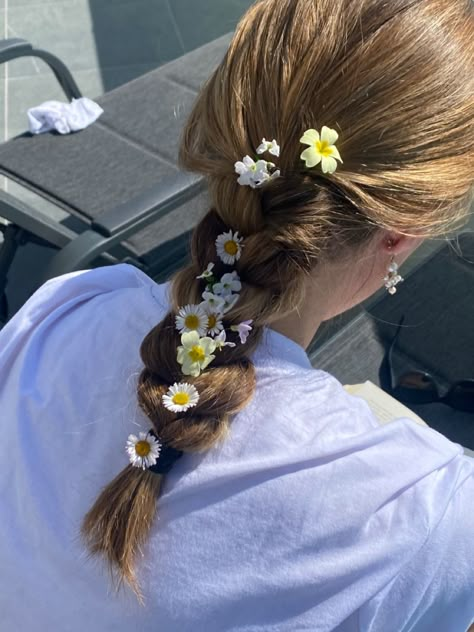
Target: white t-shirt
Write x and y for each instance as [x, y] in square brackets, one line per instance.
[309, 516]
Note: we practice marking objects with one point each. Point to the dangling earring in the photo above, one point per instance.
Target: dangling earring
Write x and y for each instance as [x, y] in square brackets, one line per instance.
[392, 277]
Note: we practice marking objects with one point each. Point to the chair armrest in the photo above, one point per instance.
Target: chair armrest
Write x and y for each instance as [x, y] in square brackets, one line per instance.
[128, 218]
[14, 47]
[122, 221]
[17, 47]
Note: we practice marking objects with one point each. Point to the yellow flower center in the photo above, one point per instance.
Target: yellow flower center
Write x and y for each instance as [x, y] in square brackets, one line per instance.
[231, 247]
[197, 353]
[181, 399]
[323, 147]
[191, 321]
[211, 321]
[142, 448]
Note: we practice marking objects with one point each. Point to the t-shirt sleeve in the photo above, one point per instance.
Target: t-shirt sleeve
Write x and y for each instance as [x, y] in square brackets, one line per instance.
[55, 298]
[435, 591]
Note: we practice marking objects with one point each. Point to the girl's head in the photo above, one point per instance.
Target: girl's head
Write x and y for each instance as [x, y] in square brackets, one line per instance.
[396, 81]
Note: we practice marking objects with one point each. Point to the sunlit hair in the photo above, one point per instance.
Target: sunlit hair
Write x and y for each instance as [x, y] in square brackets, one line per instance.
[396, 80]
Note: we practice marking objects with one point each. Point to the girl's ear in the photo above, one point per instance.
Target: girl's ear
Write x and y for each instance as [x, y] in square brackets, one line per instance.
[396, 244]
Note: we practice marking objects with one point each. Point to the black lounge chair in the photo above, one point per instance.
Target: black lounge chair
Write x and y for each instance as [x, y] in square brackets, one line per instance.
[117, 180]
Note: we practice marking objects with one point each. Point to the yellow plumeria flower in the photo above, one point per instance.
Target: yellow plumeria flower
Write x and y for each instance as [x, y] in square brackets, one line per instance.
[195, 353]
[321, 150]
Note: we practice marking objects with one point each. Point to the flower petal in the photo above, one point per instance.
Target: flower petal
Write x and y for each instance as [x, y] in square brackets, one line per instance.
[309, 137]
[329, 135]
[190, 339]
[207, 360]
[329, 165]
[311, 157]
[335, 153]
[240, 167]
[208, 345]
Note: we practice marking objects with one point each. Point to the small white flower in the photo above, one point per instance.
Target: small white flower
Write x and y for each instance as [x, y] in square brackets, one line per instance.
[191, 318]
[272, 147]
[195, 353]
[229, 301]
[221, 342]
[212, 302]
[243, 329]
[251, 173]
[207, 272]
[228, 246]
[229, 283]
[180, 397]
[143, 451]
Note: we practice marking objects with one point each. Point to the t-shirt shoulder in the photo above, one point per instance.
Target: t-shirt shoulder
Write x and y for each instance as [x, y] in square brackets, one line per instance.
[62, 294]
[84, 284]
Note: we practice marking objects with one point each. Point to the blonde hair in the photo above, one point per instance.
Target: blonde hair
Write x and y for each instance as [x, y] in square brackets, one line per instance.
[396, 80]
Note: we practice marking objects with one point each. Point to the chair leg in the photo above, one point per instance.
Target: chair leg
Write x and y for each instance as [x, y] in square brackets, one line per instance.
[14, 236]
[3, 310]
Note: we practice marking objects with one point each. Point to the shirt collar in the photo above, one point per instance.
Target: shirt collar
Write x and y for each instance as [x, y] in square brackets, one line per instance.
[281, 348]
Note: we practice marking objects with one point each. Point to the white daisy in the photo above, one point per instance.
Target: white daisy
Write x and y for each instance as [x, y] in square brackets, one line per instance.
[191, 318]
[195, 353]
[229, 283]
[220, 341]
[143, 451]
[229, 247]
[207, 272]
[180, 397]
[272, 147]
[214, 324]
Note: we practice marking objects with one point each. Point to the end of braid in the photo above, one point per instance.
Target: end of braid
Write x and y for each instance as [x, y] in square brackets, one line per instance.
[118, 524]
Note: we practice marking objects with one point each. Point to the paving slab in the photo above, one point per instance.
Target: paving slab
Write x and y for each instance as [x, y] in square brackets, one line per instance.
[214, 18]
[103, 34]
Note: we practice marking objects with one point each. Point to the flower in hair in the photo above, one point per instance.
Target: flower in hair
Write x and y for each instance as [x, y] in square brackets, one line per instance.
[243, 330]
[220, 341]
[272, 147]
[321, 150]
[254, 174]
[143, 451]
[180, 397]
[207, 274]
[212, 302]
[192, 318]
[229, 283]
[229, 301]
[214, 323]
[195, 353]
[228, 246]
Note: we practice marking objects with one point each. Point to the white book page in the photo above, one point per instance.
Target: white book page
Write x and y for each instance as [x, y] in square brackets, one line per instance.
[385, 407]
